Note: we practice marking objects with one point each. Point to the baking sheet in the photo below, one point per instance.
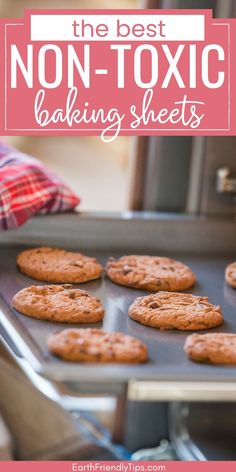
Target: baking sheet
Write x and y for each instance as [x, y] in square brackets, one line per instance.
[167, 361]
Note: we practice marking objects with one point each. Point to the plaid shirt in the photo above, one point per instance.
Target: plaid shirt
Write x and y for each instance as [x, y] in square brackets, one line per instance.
[27, 188]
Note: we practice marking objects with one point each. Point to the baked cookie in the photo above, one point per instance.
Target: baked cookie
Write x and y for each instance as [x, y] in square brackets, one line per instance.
[230, 274]
[61, 303]
[150, 273]
[213, 348]
[95, 345]
[58, 266]
[165, 310]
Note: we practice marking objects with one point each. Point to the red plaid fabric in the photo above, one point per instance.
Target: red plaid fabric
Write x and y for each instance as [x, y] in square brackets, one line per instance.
[27, 188]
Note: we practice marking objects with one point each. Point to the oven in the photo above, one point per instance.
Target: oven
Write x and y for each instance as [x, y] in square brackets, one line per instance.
[182, 204]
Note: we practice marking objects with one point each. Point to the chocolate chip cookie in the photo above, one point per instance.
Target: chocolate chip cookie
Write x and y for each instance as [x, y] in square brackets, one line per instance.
[230, 274]
[61, 303]
[213, 348]
[95, 345]
[150, 273]
[165, 310]
[58, 266]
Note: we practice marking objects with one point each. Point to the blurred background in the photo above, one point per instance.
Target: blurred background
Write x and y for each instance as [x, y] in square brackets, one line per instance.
[171, 174]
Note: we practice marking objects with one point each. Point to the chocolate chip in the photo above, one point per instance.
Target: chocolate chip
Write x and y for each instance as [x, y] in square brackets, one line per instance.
[83, 293]
[154, 305]
[126, 270]
[72, 294]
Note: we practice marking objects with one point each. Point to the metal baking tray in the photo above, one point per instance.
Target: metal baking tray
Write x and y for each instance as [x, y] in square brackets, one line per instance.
[168, 373]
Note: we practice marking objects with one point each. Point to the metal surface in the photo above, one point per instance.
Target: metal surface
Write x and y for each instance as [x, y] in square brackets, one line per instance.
[193, 430]
[166, 180]
[130, 231]
[187, 390]
[181, 441]
[193, 200]
[219, 152]
[168, 374]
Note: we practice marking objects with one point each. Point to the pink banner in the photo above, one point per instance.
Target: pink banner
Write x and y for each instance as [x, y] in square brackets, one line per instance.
[113, 72]
[118, 466]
